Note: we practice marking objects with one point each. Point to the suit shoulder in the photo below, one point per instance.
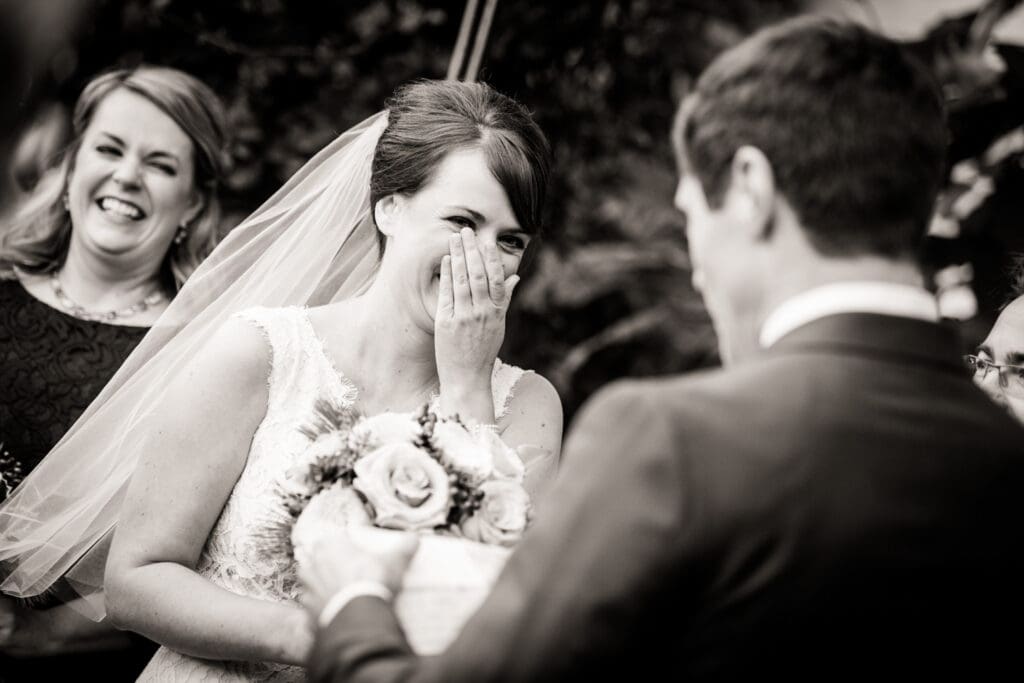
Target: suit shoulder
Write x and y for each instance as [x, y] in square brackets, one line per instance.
[699, 400]
[647, 400]
[628, 394]
[670, 390]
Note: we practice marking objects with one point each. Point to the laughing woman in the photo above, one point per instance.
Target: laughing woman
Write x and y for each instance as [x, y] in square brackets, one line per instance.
[94, 256]
[86, 265]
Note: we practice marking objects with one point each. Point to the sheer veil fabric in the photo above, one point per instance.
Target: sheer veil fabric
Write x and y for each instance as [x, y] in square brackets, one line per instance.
[313, 242]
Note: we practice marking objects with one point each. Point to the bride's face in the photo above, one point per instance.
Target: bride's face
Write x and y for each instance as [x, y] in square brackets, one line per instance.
[461, 194]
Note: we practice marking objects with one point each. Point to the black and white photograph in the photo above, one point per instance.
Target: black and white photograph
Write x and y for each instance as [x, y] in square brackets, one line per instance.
[469, 341]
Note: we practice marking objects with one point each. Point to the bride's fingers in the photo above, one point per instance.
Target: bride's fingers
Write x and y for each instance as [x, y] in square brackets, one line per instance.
[495, 274]
[510, 286]
[475, 268]
[463, 300]
[445, 301]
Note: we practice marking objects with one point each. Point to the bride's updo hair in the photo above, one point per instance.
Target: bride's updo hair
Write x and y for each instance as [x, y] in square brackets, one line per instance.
[427, 120]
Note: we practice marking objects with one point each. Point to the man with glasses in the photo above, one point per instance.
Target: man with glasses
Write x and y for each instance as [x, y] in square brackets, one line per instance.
[998, 363]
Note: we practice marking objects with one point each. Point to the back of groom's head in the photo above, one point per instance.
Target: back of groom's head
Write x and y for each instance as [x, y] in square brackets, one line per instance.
[852, 125]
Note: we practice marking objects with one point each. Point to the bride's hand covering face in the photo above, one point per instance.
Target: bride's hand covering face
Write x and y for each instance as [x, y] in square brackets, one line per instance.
[473, 299]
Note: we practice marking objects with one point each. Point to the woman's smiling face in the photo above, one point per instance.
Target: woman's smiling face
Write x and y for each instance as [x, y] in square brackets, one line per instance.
[462, 193]
[132, 184]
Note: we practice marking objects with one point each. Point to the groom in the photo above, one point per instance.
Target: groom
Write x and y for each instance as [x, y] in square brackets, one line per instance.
[839, 503]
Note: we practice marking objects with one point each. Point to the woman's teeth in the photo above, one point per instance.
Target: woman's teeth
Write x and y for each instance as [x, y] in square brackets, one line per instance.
[120, 208]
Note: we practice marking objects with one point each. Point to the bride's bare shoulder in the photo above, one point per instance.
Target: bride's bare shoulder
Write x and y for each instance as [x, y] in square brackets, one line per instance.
[534, 415]
[237, 347]
[534, 395]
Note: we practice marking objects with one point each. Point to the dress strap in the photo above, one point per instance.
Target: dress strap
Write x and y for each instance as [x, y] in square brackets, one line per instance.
[503, 380]
[284, 330]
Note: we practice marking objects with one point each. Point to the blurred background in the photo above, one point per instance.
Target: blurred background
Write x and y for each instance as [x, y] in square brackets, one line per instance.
[608, 294]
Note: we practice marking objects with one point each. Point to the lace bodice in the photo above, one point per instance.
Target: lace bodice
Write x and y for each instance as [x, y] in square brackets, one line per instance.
[237, 556]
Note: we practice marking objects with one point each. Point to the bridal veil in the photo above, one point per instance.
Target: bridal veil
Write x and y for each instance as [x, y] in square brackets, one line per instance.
[311, 243]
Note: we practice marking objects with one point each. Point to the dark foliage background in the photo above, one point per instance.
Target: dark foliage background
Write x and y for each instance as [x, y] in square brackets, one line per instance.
[608, 293]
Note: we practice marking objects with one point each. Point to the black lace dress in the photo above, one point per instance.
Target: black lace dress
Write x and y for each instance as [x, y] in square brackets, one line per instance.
[52, 365]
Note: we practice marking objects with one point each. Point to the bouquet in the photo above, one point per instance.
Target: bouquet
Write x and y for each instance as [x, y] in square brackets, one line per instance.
[459, 487]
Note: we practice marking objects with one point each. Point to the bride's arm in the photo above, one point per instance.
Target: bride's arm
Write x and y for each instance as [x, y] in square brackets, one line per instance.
[469, 326]
[197, 447]
[533, 426]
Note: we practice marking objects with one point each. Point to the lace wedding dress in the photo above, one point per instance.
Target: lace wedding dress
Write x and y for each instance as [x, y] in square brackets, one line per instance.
[234, 557]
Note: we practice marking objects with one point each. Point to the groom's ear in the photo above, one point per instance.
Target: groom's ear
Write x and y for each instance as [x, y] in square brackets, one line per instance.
[384, 212]
[753, 185]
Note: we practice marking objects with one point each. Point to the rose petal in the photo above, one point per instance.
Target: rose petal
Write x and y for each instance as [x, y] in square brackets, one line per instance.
[376, 476]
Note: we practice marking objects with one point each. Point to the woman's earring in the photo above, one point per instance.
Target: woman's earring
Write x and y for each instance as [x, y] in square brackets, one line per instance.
[67, 203]
[182, 233]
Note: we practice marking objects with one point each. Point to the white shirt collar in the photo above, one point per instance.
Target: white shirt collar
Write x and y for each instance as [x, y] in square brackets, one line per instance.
[885, 298]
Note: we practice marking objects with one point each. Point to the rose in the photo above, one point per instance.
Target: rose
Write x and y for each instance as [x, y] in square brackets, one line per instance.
[503, 515]
[462, 452]
[372, 432]
[328, 512]
[406, 487]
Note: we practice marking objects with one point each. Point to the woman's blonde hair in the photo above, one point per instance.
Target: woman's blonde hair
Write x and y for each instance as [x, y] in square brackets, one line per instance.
[37, 239]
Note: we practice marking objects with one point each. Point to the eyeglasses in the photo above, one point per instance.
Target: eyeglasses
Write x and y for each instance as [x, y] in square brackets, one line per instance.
[1011, 377]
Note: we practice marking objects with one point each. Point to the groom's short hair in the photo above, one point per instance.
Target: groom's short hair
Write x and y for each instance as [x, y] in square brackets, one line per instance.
[852, 124]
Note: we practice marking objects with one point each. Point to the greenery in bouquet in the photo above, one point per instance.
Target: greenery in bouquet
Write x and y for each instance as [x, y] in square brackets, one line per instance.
[406, 471]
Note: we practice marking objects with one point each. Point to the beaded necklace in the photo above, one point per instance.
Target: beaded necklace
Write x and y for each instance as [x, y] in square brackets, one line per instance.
[82, 313]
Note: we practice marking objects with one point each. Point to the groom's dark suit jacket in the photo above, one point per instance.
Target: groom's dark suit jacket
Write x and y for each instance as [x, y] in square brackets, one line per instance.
[848, 505]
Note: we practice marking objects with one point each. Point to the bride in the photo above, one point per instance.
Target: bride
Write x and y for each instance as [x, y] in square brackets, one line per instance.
[381, 285]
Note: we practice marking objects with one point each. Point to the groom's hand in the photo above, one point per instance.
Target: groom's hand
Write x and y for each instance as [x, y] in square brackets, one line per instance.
[363, 554]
